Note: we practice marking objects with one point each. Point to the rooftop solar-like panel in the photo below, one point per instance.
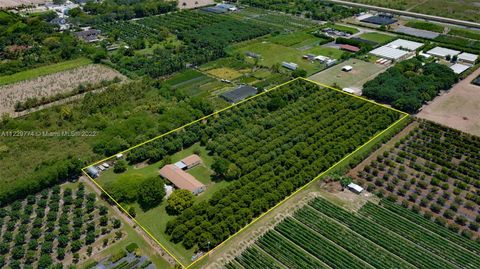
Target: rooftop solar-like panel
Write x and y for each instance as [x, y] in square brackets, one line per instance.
[240, 93]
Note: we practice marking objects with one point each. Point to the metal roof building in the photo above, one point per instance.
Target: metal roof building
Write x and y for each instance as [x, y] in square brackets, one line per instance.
[389, 53]
[442, 52]
[240, 93]
[355, 188]
[459, 68]
[467, 57]
[404, 44]
[182, 179]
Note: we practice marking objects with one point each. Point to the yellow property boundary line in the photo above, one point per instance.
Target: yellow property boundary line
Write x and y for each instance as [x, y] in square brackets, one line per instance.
[275, 206]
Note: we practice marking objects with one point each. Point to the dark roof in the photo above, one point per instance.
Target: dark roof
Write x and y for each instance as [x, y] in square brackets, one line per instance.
[239, 93]
[380, 20]
[349, 48]
[91, 32]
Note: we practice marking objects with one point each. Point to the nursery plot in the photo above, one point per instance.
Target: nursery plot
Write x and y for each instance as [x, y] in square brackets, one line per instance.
[434, 170]
[342, 239]
[45, 87]
[263, 149]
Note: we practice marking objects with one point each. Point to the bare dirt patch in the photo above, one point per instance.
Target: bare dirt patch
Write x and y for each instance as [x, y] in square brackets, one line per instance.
[458, 108]
[50, 85]
[17, 3]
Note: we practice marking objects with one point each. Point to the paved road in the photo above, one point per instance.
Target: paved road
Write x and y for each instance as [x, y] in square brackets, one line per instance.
[410, 14]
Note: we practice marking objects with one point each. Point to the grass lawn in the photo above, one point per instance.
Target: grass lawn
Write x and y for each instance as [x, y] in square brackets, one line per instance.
[325, 51]
[44, 70]
[155, 220]
[272, 54]
[361, 73]
[377, 37]
[295, 38]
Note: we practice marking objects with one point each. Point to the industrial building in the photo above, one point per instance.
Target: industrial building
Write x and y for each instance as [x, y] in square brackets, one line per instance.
[459, 68]
[239, 94]
[442, 52]
[468, 58]
[404, 44]
[390, 53]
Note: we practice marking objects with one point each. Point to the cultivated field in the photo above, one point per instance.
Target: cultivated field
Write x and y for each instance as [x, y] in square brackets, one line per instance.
[458, 108]
[325, 235]
[361, 73]
[468, 10]
[312, 128]
[16, 3]
[433, 170]
[50, 85]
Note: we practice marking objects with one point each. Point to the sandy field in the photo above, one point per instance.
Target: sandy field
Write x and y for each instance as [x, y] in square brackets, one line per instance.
[49, 85]
[188, 4]
[459, 108]
[16, 3]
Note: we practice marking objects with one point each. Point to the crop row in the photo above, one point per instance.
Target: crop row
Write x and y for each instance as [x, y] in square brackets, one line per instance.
[253, 258]
[349, 240]
[390, 241]
[434, 243]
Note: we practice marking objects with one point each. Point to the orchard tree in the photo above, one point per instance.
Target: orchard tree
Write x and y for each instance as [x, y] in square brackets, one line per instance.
[151, 192]
[45, 261]
[178, 201]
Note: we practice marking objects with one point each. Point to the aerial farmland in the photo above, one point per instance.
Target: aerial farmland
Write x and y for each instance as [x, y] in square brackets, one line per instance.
[244, 134]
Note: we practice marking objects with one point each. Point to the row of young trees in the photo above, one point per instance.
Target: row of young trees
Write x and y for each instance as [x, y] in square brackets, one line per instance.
[409, 84]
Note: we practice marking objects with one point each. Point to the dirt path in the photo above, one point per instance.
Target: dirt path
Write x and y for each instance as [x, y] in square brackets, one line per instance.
[125, 218]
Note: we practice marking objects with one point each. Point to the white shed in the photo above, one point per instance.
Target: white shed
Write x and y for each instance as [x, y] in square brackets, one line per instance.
[355, 188]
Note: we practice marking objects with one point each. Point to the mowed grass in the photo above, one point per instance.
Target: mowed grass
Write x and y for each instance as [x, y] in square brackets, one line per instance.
[361, 73]
[289, 40]
[44, 70]
[272, 54]
[325, 51]
[377, 37]
[155, 220]
[225, 73]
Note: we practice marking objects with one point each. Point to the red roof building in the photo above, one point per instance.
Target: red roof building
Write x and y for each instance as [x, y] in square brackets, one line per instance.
[349, 48]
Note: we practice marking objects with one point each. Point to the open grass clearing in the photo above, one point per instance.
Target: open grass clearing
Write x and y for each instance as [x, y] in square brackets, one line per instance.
[43, 70]
[361, 73]
[377, 37]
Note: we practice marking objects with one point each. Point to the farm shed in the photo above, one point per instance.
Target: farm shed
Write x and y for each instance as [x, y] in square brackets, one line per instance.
[380, 19]
[253, 55]
[467, 58]
[291, 66]
[404, 44]
[442, 52]
[182, 179]
[93, 171]
[239, 93]
[349, 48]
[389, 53]
[189, 162]
[347, 68]
[355, 188]
[459, 68]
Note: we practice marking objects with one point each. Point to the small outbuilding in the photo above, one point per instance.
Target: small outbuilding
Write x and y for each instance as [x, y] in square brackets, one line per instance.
[291, 66]
[349, 48]
[355, 188]
[347, 68]
[93, 171]
[240, 93]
